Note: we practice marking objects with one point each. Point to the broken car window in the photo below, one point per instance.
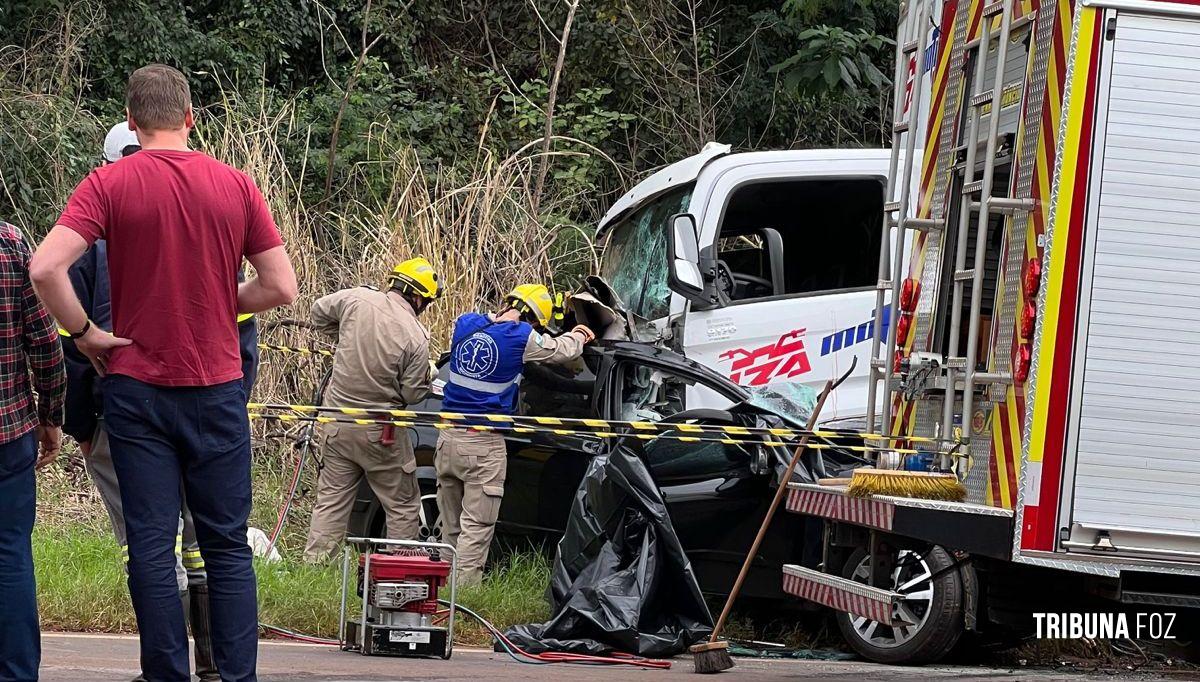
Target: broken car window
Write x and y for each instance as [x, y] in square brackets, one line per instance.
[635, 258]
[792, 401]
[653, 394]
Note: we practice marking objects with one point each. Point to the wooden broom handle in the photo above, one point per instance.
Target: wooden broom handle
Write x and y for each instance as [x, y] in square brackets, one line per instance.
[779, 491]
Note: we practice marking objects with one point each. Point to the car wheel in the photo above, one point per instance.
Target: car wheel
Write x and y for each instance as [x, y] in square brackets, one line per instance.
[933, 603]
[431, 520]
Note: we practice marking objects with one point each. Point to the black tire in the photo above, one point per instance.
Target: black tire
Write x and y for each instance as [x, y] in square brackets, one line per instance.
[940, 615]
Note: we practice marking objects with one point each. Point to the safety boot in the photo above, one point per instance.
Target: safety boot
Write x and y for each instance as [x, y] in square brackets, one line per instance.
[199, 617]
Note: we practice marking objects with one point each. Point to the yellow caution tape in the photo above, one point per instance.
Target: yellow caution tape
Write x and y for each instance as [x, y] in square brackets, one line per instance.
[607, 424]
[296, 351]
[515, 428]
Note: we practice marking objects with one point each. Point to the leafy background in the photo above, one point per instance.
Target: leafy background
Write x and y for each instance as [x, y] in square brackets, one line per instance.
[380, 129]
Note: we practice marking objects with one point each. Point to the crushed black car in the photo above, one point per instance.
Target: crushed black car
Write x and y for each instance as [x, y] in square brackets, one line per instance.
[716, 493]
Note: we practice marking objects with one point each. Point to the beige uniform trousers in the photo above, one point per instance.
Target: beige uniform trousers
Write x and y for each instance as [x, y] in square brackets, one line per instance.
[349, 453]
[470, 472]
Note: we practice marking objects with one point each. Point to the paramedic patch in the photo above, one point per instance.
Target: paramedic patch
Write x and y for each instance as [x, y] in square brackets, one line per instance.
[478, 356]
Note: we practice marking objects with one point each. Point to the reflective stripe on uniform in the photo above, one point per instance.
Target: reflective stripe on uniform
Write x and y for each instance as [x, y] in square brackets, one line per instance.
[244, 317]
[192, 559]
[125, 554]
[483, 386]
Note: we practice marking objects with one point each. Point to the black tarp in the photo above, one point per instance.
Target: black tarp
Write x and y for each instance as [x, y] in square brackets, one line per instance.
[621, 580]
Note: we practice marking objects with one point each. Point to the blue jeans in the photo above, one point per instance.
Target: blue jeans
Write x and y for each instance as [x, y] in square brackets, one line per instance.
[160, 436]
[20, 641]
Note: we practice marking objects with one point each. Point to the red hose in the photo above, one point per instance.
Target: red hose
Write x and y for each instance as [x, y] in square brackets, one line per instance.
[617, 658]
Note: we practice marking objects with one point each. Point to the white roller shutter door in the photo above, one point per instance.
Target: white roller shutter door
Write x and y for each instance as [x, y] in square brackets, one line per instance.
[1138, 416]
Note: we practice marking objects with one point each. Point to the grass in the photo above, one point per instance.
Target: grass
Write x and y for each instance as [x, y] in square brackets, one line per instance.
[81, 587]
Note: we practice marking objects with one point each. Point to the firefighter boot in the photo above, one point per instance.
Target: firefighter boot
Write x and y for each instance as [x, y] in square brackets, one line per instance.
[199, 618]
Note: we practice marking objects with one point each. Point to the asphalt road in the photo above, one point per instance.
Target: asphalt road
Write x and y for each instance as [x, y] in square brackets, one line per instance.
[113, 658]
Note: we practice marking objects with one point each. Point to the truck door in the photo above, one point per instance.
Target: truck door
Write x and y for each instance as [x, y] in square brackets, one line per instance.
[797, 259]
[1136, 409]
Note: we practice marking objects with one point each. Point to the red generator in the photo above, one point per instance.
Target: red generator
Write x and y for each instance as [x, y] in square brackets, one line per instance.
[398, 583]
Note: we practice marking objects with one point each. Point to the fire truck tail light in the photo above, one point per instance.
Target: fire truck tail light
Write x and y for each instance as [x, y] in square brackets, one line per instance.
[1022, 359]
[903, 326]
[1028, 318]
[1033, 277]
[910, 291]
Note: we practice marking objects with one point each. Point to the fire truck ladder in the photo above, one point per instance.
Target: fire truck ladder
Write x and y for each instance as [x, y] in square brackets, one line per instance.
[910, 58]
[982, 103]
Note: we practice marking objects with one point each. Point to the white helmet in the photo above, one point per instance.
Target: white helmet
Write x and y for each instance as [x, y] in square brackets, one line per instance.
[118, 141]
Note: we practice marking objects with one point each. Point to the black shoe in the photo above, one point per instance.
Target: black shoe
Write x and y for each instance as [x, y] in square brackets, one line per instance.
[199, 618]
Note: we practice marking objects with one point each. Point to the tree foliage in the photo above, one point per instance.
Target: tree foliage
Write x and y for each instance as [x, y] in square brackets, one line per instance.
[644, 83]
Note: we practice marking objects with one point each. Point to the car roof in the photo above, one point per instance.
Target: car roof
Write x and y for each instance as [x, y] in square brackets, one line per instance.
[633, 350]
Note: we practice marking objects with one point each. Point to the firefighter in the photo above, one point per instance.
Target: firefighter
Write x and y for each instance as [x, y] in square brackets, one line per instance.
[487, 357]
[84, 421]
[381, 361]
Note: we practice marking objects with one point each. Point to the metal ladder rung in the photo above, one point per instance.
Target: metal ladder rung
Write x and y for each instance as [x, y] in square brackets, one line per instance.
[991, 378]
[911, 46]
[1010, 204]
[899, 127]
[884, 285]
[1005, 205]
[973, 187]
[964, 275]
[994, 8]
[891, 207]
[981, 99]
[924, 224]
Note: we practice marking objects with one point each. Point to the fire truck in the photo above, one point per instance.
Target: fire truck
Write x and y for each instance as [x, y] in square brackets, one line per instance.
[1046, 274]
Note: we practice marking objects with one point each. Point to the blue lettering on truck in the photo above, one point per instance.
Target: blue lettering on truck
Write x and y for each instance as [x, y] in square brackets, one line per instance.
[855, 335]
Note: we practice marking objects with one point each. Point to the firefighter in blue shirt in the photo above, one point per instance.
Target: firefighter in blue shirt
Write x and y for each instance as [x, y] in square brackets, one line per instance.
[488, 353]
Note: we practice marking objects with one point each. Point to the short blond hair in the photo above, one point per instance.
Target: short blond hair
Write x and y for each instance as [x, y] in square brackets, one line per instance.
[158, 97]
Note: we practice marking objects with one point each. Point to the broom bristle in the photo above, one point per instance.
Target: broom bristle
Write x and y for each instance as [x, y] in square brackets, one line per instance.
[711, 657]
[917, 484]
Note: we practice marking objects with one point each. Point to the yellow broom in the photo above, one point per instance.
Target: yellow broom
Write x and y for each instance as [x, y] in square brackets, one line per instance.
[922, 485]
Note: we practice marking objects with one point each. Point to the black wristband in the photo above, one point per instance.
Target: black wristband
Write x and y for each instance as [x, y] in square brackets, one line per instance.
[86, 326]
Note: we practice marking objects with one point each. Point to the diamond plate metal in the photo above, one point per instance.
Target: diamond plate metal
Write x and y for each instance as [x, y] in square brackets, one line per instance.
[1017, 229]
[1111, 569]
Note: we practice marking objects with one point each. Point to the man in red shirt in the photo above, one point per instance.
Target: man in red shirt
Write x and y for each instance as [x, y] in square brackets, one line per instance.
[177, 224]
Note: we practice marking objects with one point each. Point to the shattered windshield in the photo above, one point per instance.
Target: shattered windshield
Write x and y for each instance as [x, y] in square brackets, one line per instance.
[635, 259]
[792, 401]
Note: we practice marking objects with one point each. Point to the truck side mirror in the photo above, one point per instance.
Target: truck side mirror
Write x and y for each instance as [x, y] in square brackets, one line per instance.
[684, 275]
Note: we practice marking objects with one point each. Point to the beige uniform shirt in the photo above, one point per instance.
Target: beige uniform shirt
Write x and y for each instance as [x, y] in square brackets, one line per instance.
[382, 356]
[552, 350]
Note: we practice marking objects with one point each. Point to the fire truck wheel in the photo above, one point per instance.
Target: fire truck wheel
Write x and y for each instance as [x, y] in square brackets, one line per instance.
[933, 602]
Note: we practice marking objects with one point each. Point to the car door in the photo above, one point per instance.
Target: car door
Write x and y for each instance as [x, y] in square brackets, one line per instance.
[714, 495]
[545, 468]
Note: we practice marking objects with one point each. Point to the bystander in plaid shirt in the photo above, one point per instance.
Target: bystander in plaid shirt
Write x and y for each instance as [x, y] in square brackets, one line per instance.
[28, 341]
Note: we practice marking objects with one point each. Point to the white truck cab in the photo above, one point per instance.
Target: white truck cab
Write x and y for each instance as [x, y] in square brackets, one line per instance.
[761, 265]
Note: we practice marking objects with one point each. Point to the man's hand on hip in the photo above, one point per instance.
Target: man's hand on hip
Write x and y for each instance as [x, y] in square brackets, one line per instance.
[49, 444]
[96, 344]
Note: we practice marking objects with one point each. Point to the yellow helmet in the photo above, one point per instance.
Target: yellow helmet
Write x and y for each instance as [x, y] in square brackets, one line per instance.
[533, 298]
[416, 276]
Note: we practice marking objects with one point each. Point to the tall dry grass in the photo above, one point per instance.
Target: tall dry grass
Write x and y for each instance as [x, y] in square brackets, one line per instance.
[472, 222]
